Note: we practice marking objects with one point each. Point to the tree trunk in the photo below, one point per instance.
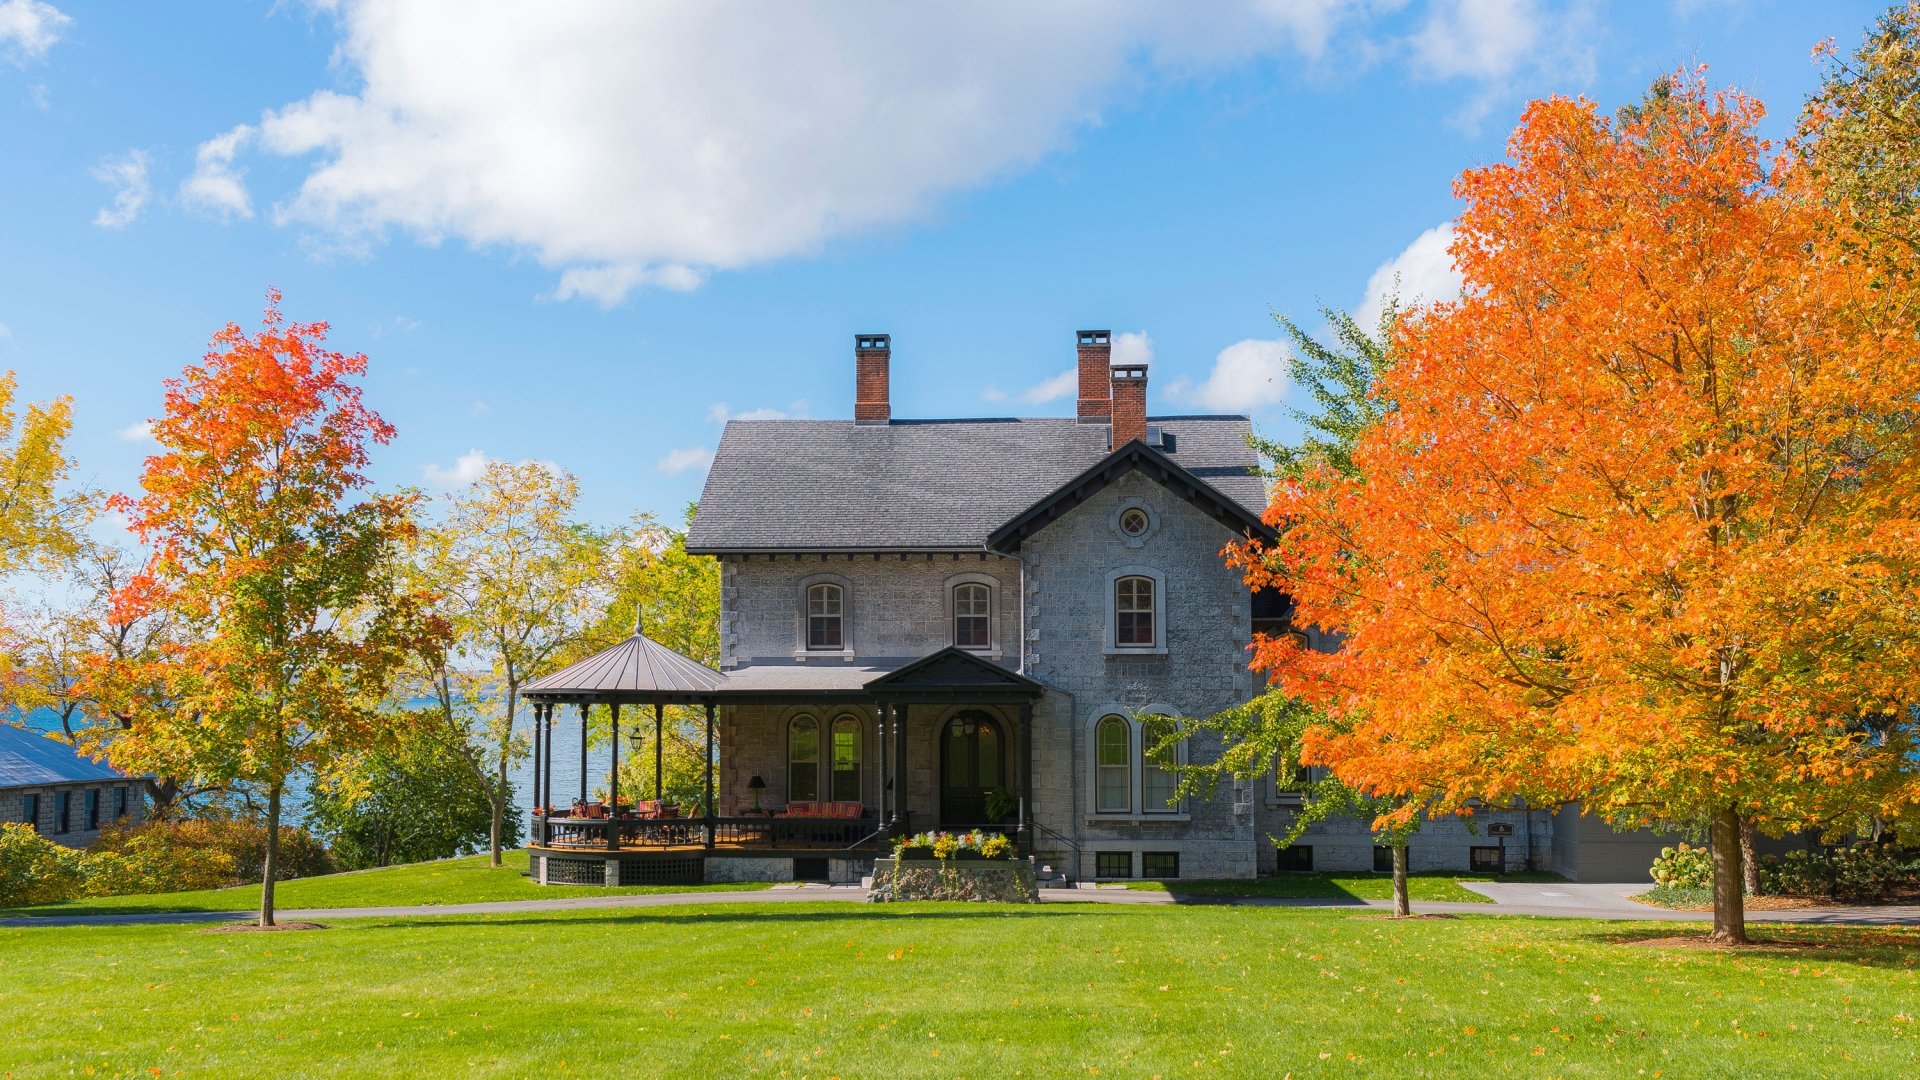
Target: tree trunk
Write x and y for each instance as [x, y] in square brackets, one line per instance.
[499, 805]
[1729, 908]
[272, 862]
[1402, 906]
[1749, 862]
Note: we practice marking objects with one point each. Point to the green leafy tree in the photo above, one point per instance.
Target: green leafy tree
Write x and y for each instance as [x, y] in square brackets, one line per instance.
[521, 582]
[1861, 131]
[1263, 737]
[414, 800]
[37, 521]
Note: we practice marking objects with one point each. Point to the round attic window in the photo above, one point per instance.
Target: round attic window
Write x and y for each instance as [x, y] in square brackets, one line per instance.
[1134, 522]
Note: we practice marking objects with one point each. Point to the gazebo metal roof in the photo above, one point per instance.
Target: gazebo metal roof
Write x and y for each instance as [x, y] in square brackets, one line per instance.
[638, 669]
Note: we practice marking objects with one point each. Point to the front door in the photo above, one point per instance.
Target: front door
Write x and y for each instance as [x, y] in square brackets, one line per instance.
[972, 764]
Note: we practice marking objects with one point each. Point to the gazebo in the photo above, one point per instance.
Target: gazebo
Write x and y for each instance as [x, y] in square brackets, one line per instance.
[621, 842]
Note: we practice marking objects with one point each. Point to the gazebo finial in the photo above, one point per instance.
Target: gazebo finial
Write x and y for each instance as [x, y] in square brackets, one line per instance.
[639, 620]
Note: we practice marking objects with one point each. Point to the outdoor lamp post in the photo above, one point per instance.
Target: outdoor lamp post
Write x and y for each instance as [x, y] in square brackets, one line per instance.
[756, 785]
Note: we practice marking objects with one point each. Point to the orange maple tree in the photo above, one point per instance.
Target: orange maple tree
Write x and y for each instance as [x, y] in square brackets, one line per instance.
[1640, 529]
[280, 573]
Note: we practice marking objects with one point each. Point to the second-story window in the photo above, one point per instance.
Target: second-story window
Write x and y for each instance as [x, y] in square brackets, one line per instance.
[826, 617]
[972, 616]
[1133, 612]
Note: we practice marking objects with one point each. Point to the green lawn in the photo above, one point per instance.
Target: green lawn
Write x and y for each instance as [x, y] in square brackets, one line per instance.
[836, 989]
[1426, 886]
[454, 881]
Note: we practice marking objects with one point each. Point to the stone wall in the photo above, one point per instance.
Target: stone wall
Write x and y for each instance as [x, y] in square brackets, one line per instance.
[897, 605]
[13, 803]
[1207, 619]
[999, 881]
[1347, 843]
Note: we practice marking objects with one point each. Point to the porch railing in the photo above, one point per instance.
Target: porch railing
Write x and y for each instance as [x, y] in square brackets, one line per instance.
[756, 833]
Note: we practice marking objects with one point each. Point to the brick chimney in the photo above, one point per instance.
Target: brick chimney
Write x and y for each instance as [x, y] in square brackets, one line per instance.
[871, 355]
[1096, 352]
[1129, 404]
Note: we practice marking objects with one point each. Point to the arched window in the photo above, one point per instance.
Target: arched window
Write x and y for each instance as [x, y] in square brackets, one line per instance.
[972, 616]
[1113, 766]
[803, 759]
[1133, 613]
[845, 783]
[1159, 776]
[826, 617]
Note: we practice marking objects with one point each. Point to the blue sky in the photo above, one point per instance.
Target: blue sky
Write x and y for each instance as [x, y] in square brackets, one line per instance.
[583, 233]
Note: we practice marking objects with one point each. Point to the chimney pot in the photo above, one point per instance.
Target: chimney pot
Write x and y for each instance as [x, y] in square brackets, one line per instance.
[1096, 399]
[872, 355]
[1129, 390]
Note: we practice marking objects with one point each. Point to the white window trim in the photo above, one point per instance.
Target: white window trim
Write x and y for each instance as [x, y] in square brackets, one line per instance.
[847, 601]
[1136, 811]
[992, 649]
[1159, 646]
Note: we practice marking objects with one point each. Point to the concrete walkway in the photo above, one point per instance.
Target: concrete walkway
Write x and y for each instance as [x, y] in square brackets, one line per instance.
[1557, 900]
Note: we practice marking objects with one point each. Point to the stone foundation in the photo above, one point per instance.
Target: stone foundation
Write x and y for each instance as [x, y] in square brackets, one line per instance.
[994, 880]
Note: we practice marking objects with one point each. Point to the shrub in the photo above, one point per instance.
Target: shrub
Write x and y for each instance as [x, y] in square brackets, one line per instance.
[1863, 872]
[1683, 867]
[210, 852]
[34, 869]
[151, 859]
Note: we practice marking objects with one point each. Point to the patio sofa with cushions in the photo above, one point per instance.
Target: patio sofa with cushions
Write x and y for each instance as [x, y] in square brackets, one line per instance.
[824, 810]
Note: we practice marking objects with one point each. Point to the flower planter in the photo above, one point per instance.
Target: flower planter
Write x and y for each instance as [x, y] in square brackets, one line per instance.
[1006, 881]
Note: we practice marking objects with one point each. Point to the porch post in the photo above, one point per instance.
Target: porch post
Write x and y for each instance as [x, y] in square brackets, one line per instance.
[901, 819]
[613, 790]
[546, 793]
[657, 725]
[583, 751]
[1026, 777]
[710, 806]
[883, 714]
[537, 707]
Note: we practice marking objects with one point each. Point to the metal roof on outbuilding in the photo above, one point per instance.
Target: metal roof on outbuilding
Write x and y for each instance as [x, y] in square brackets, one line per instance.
[30, 759]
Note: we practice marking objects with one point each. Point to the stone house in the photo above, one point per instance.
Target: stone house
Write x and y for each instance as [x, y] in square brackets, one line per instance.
[64, 796]
[943, 624]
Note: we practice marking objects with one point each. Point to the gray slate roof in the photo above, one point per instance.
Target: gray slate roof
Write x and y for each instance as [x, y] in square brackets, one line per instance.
[923, 485]
[30, 759]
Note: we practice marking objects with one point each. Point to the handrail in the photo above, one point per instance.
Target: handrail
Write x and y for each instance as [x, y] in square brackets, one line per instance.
[874, 835]
[1063, 838]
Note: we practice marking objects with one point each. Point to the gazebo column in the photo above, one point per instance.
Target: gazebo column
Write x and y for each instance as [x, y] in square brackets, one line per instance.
[583, 751]
[546, 793]
[536, 754]
[710, 805]
[1026, 778]
[658, 727]
[902, 820]
[613, 789]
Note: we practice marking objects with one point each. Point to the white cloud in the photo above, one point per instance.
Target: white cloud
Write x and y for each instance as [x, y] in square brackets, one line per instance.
[1423, 272]
[127, 175]
[719, 412]
[479, 408]
[1496, 43]
[648, 145]
[1247, 376]
[28, 28]
[684, 458]
[465, 469]
[216, 186]
[6, 332]
[1132, 347]
[1065, 384]
[140, 432]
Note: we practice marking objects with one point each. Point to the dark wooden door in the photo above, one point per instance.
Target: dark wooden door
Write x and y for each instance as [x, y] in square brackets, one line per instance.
[972, 763]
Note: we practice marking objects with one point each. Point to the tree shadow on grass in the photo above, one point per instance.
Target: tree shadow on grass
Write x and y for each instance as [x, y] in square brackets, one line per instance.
[1867, 946]
[846, 912]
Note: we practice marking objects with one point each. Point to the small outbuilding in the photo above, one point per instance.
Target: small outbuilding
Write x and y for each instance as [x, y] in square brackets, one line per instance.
[65, 796]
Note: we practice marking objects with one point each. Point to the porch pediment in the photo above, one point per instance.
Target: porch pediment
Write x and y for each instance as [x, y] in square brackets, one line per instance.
[955, 674]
